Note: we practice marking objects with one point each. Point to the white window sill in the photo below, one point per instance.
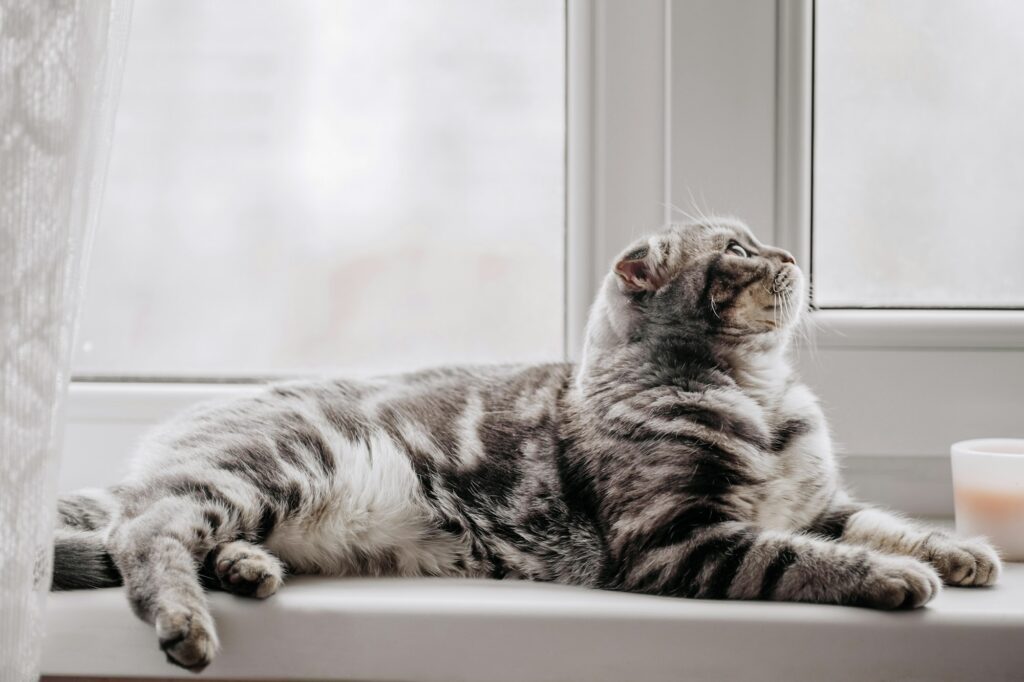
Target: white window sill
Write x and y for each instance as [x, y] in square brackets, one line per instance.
[375, 629]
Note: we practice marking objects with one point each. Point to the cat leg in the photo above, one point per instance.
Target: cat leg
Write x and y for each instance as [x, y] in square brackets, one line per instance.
[158, 553]
[245, 569]
[738, 561]
[963, 562]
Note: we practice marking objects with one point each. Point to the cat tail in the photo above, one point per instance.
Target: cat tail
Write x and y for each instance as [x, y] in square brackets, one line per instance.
[80, 557]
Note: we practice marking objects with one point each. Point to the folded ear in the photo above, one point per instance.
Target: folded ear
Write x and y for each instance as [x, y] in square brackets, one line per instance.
[638, 272]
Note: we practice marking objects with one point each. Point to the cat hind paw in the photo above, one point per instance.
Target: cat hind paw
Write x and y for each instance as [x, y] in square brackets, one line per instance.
[247, 570]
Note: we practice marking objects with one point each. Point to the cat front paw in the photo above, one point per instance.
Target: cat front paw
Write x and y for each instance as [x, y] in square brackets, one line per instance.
[898, 583]
[960, 562]
[187, 637]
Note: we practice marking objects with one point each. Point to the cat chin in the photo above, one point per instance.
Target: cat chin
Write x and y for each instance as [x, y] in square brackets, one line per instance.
[777, 322]
[773, 334]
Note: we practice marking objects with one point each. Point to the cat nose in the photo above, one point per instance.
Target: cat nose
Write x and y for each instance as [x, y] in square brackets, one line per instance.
[786, 257]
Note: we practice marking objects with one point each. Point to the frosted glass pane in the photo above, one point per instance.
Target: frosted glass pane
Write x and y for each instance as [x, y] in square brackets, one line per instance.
[332, 185]
[919, 153]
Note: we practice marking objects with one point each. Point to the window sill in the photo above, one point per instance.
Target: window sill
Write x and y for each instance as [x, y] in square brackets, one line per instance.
[378, 629]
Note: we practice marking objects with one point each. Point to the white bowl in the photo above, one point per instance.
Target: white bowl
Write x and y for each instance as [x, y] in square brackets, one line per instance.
[988, 492]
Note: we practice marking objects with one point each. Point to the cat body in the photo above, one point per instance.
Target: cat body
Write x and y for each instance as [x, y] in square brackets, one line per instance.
[681, 457]
[444, 472]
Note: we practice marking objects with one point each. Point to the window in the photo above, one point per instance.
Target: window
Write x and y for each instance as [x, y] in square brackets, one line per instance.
[273, 191]
[332, 185]
[918, 142]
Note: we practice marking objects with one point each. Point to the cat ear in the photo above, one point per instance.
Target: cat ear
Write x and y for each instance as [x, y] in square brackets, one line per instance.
[637, 272]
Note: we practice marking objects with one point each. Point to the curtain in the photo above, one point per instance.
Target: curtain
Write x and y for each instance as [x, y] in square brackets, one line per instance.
[60, 64]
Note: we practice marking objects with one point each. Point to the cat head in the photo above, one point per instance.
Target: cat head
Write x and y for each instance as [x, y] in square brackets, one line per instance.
[710, 282]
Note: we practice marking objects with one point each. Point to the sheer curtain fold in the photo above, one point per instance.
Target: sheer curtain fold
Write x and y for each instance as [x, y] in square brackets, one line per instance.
[60, 66]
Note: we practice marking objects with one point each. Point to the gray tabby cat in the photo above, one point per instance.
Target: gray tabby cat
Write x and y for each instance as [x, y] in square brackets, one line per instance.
[682, 457]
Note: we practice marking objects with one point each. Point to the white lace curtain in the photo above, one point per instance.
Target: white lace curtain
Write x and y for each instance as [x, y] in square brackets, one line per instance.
[60, 65]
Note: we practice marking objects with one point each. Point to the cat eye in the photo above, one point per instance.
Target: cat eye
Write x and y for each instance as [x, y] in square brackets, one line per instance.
[737, 250]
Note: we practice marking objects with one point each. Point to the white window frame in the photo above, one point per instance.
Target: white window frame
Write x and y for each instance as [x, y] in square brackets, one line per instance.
[645, 116]
[853, 327]
[956, 370]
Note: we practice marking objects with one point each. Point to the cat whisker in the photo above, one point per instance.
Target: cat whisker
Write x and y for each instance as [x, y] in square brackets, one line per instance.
[693, 202]
[688, 216]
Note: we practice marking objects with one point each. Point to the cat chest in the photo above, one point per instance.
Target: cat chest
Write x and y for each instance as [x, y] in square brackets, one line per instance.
[799, 476]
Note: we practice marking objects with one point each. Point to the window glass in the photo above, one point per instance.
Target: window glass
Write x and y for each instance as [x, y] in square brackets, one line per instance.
[332, 185]
[919, 153]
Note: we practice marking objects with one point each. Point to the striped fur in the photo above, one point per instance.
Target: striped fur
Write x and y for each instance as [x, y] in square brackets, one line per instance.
[682, 457]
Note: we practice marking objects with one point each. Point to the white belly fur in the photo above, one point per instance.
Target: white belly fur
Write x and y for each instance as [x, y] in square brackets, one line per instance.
[374, 519]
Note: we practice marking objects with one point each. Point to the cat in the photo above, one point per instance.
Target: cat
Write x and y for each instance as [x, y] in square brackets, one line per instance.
[681, 457]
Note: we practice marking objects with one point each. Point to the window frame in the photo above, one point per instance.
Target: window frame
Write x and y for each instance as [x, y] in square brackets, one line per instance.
[849, 326]
[910, 470]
